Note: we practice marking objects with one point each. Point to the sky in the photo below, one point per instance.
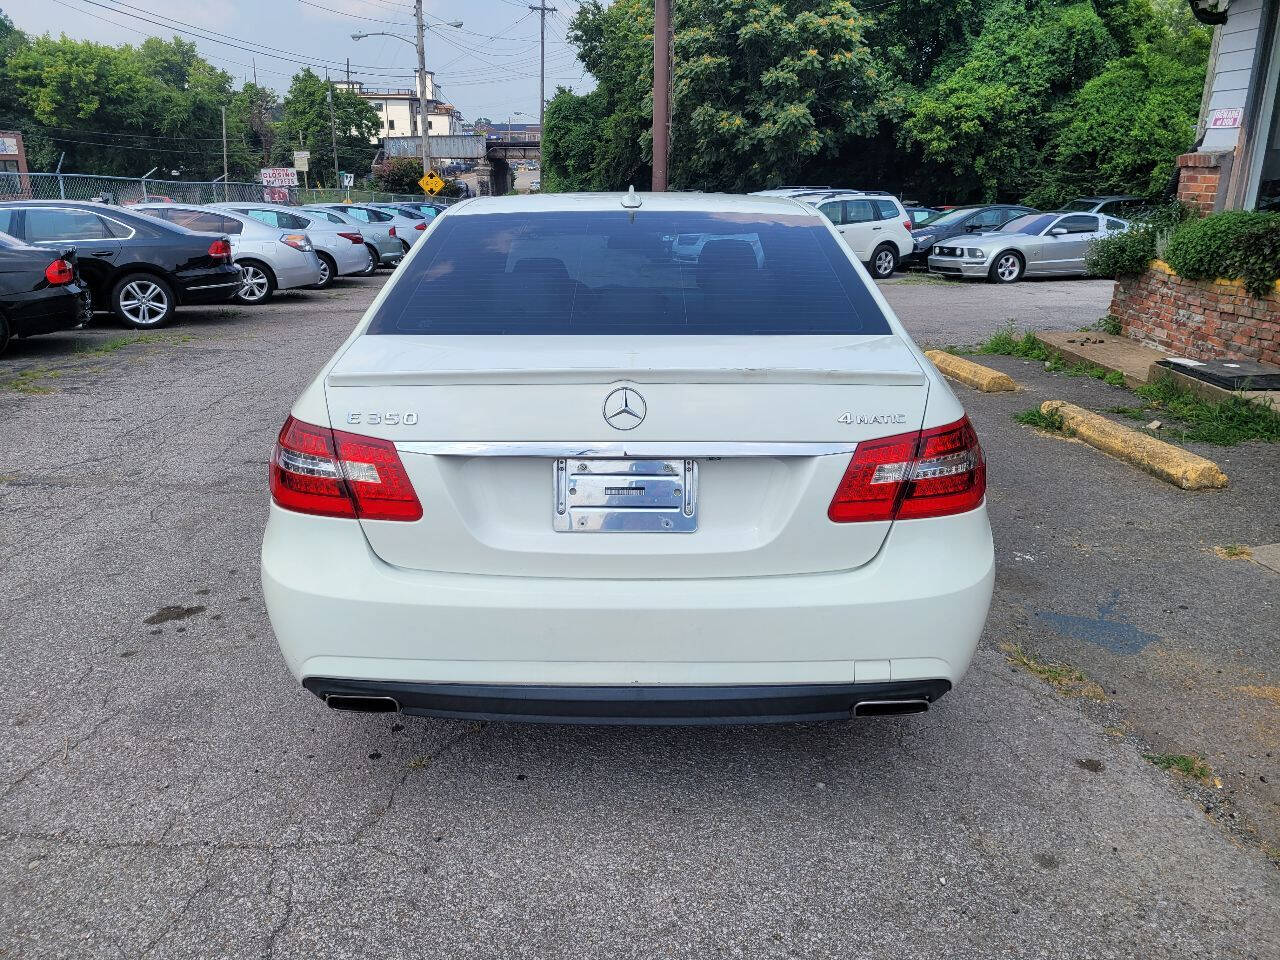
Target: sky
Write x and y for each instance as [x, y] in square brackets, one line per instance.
[488, 68]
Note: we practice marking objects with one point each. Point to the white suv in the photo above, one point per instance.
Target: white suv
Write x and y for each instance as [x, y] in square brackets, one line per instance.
[874, 225]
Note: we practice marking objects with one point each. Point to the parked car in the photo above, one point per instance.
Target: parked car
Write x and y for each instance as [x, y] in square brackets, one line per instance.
[921, 215]
[535, 186]
[409, 223]
[1120, 205]
[552, 479]
[1035, 244]
[958, 221]
[790, 191]
[270, 257]
[41, 291]
[339, 248]
[381, 245]
[378, 227]
[137, 266]
[428, 210]
[873, 224]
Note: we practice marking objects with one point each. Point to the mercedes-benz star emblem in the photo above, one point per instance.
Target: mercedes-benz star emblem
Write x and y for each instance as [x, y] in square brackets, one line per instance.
[624, 409]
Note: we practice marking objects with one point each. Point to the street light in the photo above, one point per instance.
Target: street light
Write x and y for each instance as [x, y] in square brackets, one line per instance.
[424, 125]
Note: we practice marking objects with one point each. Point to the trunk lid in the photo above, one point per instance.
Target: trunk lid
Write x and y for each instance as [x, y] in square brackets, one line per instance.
[484, 424]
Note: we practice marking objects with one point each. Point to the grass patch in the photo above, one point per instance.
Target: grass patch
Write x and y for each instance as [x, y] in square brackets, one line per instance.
[118, 343]
[1108, 324]
[1192, 767]
[1234, 551]
[1068, 681]
[1133, 413]
[1221, 422]
[1032, 417]
[30, 381]
[1008, 343]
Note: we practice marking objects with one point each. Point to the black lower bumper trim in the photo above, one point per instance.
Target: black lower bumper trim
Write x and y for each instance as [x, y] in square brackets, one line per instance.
[747, 703]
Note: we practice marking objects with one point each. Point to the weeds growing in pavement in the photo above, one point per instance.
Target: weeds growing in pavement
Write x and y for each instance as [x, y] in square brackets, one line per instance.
[1192, 767]
[1068, 681]
[1223, 422]
[1032, 417]
[1234, 551]
[1006, 342]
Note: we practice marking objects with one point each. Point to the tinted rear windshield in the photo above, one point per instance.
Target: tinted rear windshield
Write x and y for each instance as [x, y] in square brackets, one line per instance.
[624, 272]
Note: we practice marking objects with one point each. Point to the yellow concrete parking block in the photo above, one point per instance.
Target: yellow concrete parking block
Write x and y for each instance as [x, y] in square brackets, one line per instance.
[971, 374]
[1180, 467]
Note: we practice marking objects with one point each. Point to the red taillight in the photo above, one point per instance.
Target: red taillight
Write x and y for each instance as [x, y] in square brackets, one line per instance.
[220, 250]
[59, 272]
[392, 231]
[334, 474]
[908, 224]
[353, 237]
[911, 476]
[420, 225]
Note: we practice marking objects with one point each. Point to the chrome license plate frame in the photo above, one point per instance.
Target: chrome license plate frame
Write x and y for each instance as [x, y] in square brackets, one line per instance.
[625, 495]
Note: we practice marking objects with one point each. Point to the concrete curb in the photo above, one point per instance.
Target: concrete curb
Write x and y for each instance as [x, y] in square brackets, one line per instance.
[972, 374]
[1173, 464]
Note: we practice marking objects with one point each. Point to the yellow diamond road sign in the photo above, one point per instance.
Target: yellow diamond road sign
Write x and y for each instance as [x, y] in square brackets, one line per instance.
[431, 183]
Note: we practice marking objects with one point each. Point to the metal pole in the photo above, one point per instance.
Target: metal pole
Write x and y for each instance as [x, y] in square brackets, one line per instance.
[225, 175]
[62, 193]
[542, 10]
[333, 130]
[424, 127]
[661, 91]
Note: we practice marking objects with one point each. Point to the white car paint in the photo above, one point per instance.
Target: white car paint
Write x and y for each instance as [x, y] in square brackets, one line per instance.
[768, 593]
[865, 222]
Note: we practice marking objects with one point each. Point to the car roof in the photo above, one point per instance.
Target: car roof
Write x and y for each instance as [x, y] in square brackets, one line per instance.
[664, 202]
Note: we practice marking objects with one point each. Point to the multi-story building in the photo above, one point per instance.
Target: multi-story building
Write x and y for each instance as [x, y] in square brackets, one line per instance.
[398, 109]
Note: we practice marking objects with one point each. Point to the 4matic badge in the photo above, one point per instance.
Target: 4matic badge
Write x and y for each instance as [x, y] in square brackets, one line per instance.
[876, 418]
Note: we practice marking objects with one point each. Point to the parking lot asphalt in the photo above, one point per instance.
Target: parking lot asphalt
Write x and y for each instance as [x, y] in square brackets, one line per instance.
[168, 790]
[939, 311]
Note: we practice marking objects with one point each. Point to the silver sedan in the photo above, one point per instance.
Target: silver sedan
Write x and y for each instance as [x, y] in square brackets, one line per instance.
[1036, 244]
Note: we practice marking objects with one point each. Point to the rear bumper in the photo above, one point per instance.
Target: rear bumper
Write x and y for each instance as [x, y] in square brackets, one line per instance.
[302, 270]
[49, 310]
[215, 285]
[759, 703]
[350, 257]
[913, 613]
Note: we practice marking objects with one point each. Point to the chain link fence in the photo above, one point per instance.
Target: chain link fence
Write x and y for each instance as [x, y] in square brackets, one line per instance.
[130, 190]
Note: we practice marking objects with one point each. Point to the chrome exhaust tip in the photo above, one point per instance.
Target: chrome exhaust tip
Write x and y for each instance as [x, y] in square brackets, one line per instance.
[339, 701]
[889, 708]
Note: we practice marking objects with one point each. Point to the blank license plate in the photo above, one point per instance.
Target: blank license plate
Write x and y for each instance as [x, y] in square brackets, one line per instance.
[626, 496]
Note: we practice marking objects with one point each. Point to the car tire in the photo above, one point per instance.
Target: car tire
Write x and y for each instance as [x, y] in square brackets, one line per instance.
[374, 260]
[1007, 267]
[406, 247]
[883, 262]
[143, 301]
[258, 283]
[328, 271]
[5, 336]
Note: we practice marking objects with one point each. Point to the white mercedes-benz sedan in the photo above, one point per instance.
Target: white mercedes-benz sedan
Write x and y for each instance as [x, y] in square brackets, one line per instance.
[557, 473]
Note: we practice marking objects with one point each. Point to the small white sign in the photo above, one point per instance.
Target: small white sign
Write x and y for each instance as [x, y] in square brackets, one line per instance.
[1225, 118]
[8, 144]
[348, 179]
[302, 160]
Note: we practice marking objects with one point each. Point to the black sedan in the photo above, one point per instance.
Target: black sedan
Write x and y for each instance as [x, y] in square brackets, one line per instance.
[957, 221]
[41, 291]
[138, 267]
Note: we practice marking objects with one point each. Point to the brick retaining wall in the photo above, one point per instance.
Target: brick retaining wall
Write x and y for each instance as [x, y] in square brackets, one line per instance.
[1201, 319]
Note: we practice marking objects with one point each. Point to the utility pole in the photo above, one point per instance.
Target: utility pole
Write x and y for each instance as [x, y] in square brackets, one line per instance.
[542, 10]
[225, 175]
[333, 128]
[348, 73]
[424, 127]
[661, 91]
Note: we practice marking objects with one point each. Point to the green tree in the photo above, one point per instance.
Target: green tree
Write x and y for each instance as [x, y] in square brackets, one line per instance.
[1121, 132]
[306, 126]
[983, 128]
[570, 141]
[399, 175]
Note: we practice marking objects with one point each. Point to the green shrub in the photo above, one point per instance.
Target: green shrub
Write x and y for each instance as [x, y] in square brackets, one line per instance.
[1127, 254]
[1235, 245]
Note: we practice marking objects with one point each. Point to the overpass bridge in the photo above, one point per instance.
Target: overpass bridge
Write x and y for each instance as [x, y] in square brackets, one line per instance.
[493, 169]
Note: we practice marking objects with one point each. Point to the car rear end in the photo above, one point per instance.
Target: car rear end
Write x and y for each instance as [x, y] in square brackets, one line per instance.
[558, 474]
[204, 271]
[41, 291]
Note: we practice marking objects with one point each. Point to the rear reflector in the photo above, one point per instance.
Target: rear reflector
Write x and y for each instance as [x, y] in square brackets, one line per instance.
[335, 474]
[59, 273]
[353, 237]
[930, 473]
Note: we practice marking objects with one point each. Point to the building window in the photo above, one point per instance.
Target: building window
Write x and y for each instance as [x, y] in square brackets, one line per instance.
[391, 124]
